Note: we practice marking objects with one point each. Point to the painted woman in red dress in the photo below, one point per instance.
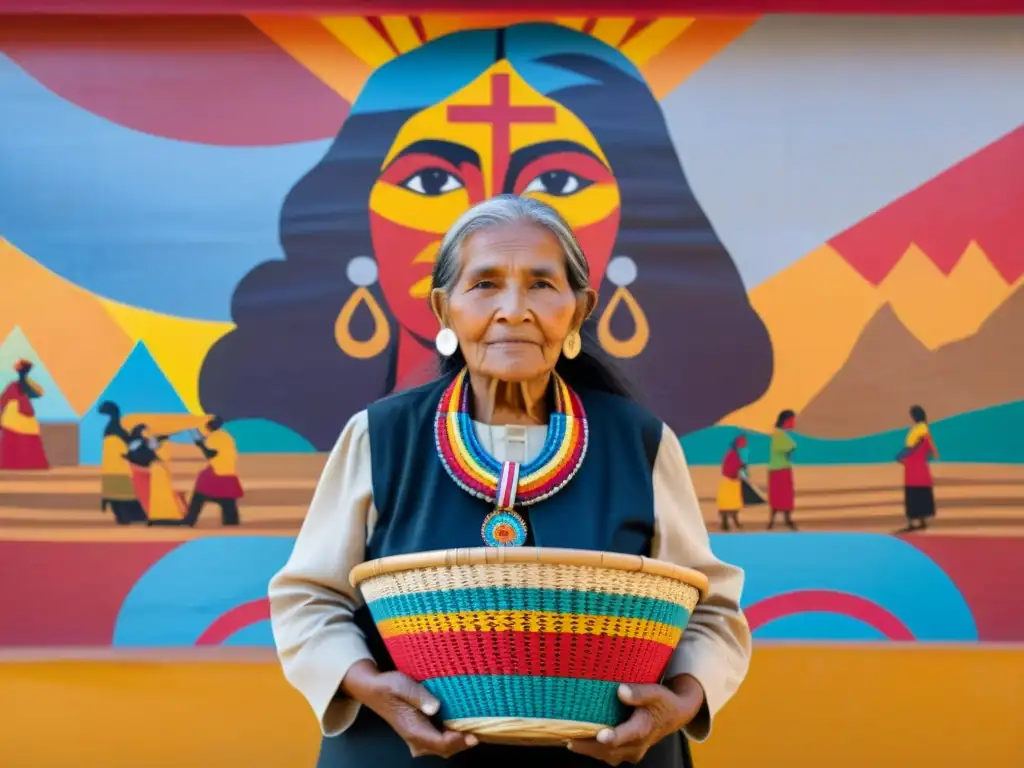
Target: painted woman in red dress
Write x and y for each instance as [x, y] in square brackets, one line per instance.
[21, 446]
[918, 486]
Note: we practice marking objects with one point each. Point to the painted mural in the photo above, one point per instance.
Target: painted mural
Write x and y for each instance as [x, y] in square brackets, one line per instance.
[216, 238]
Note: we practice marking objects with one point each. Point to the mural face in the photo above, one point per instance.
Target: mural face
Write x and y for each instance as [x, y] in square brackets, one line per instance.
[817, 290]
[534, 109]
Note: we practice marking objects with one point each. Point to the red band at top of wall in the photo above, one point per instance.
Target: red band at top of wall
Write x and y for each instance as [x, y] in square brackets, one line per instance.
[589, 7]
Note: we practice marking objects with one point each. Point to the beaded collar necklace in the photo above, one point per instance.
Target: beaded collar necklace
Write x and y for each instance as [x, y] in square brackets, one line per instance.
[507, 484]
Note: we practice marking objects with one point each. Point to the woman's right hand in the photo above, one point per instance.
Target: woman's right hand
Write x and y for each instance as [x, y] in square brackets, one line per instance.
[407, 707]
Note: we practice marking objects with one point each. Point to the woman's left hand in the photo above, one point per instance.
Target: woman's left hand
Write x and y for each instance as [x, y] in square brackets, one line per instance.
[660, 711]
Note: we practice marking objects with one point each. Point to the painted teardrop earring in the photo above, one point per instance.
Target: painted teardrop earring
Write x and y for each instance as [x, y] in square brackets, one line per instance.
[361, 271]
[622, 271]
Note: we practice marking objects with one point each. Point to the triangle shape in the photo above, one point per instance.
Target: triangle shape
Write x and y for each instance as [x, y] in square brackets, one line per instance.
[138, 387]
[52, 406]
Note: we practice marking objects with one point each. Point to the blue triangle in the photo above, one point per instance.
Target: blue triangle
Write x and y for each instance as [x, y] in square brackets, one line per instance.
[52, 406]
[139, 387]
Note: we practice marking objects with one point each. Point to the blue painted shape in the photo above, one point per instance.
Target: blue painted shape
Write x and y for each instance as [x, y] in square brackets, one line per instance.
[259, 635]
[52, 406]
[453, 61]
[883, 569]
[974, 437]
[139, 387]
[193, 585]
[456, 60]
[265, 436]
[153, 222]
[818, 626]
[185, 592]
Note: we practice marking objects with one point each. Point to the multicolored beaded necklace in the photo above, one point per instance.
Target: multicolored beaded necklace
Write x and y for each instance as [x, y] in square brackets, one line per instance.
[506, 484]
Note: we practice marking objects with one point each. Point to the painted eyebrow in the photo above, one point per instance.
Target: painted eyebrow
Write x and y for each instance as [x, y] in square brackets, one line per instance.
[456, 154]
[523, 157]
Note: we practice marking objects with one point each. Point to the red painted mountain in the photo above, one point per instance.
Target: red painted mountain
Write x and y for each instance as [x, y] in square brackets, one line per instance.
[981, 198]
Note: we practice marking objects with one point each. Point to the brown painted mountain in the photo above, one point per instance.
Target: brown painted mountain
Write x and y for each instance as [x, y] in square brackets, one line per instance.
[889, 370]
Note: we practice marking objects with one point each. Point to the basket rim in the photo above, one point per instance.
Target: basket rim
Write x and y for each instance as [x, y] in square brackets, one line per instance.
[449, 558]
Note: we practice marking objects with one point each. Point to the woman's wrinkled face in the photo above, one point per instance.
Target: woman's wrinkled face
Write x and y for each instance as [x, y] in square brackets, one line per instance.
[498, 134]
[512, 306]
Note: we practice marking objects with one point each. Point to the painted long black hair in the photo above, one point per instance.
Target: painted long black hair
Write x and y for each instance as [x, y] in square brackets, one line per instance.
[708, 353]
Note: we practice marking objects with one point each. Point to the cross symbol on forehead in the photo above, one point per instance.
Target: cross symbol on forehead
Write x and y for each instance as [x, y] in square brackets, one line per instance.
[500, 114]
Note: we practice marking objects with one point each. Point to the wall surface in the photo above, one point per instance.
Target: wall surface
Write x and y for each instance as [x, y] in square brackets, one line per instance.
[238, 215]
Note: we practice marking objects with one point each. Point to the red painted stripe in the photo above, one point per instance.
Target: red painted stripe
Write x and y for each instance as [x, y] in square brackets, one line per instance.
[426, 655]
[553, 7]
[417, 25]
[380, 29]
[635, 29]
[237, 618]
[828, 601]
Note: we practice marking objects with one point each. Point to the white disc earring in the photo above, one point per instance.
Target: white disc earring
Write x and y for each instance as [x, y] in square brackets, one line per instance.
[446, 342]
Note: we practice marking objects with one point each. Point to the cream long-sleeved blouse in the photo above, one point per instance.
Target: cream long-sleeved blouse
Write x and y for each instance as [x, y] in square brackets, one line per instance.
[312, 603]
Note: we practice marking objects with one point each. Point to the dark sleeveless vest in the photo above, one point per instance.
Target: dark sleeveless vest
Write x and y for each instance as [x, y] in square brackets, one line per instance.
[607, 506]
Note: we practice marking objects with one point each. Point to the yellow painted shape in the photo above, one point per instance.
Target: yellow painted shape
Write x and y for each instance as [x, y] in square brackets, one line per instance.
[815, 310]
[13, 419]
[530, 621]
[437, 25]
[68, 327]
[940, 309]
[178, 344]
[654, 38]
[361, 38]
[165, 423]
[307, 41]
[850, 706]
[574, 22]
[401, 32]
[437, 214]
[611, 30]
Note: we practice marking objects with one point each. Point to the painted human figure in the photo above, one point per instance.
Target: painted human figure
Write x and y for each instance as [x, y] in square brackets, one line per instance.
[533, 109]
[21, 442]
[781, 489]
[918, 486]
[730, 486]
[218, 481]
[151, 478]
[117, 491]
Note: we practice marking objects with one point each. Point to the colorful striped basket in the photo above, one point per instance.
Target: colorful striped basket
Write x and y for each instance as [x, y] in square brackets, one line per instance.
[529, 645]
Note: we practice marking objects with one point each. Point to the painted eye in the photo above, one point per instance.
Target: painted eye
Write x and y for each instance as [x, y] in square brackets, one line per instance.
[433, 182]
[558, 183]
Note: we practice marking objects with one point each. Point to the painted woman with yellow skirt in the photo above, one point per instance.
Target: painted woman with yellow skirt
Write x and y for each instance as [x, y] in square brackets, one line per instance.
[730, 487]
[151, 478]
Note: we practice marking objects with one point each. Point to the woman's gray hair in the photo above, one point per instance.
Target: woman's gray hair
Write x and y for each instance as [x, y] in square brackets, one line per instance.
[501, 211]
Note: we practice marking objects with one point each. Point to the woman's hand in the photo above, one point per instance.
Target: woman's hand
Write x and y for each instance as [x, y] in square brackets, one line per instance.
[407, 707]
[660, 711]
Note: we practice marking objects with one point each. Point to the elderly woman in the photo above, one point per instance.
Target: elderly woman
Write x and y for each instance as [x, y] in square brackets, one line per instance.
[511, 294]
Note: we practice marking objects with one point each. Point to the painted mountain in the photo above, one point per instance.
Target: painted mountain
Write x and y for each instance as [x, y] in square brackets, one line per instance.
[911, 282]
[890, 369]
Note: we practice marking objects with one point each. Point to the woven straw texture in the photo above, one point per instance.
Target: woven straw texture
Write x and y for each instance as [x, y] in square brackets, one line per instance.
[531, 640]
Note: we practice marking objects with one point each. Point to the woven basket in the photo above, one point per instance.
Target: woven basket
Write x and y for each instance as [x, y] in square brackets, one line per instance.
[529, 645]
